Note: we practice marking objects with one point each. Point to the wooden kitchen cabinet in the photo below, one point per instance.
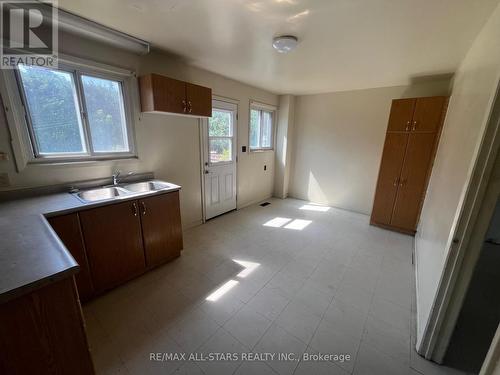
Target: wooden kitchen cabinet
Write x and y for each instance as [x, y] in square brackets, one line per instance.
[68, 229]
[401, 115]
[419, 153]
[199, 100]
[411, 141]
[161, 228]
[113, 240]
[388, 180]
[43, 333]
[167, 95]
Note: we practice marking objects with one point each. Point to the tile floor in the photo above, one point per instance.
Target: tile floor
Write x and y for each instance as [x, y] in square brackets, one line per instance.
[286, 278]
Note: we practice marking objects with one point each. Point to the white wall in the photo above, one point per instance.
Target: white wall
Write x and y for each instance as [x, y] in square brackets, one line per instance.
[339, 139]
[475, 84]
[167, 145]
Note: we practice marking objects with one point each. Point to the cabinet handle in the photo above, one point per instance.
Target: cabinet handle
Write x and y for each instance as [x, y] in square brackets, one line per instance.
[190, 106]
[143, 208]
[403, 182]
[396, 181]
[134, 206]
[414, 126]
[184, 106]
[407, 125]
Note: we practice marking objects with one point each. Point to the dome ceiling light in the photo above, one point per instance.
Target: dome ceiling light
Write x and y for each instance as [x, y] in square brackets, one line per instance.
[285, 43]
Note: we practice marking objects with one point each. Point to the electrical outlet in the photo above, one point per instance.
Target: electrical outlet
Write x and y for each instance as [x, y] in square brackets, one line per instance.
[4, 180]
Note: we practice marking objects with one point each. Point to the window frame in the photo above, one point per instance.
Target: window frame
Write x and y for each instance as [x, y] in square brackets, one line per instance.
[262, 108]
[230, 137]
[23, 140]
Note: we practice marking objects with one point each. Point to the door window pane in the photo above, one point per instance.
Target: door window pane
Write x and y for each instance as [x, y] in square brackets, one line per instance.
[220, 150]
[106, 114]
[219, 125]
[254, 128]
[53, 108]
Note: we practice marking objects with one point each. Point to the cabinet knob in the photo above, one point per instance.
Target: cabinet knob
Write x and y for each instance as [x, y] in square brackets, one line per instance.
[407, 125]
[414, 127]
[396, 182]
[184, 106]
[190, 106]
[143, 205]
[134, 208]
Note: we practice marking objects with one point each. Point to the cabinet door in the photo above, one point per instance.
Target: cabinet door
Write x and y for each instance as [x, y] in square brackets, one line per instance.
[161, 227]
[199, 100]
[159, 93]
[113, 240]
[388, 179]
[429, 113]
[401, 114]
[414, 177]
[68, 229]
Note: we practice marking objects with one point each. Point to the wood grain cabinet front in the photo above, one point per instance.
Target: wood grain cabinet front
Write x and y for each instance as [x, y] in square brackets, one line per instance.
[410, 145]
[68, 229]
[162, 94]
[113, 239]
[119, 241]
[161, 228]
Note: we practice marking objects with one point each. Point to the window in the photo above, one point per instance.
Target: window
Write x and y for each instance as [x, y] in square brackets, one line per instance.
[74, 114]
[220, 136]
[261, 128]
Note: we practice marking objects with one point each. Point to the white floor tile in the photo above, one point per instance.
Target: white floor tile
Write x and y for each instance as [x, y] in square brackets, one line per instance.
[339, 285]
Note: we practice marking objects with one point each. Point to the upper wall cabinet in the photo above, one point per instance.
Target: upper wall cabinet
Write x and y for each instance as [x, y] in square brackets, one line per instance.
[168, 95]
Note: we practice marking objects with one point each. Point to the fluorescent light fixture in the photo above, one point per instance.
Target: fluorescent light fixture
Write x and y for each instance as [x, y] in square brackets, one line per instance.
[314, 207]
[222, 290]
[84, 27]
[298, 224]
[249, 267]
[277, 222]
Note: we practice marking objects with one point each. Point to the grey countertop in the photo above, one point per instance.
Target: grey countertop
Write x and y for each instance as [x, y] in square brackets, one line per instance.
[31, 254]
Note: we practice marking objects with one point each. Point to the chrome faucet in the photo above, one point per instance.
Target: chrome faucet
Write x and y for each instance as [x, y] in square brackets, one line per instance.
[116, 175]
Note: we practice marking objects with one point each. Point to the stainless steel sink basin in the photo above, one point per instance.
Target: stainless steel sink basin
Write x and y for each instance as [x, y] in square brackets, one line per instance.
[143, 187]
[101, 194]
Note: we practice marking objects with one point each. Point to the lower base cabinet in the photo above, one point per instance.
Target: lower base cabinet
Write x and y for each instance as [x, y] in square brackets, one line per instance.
[161, 228]
[119, 241]
[113, 241]
[43, 333]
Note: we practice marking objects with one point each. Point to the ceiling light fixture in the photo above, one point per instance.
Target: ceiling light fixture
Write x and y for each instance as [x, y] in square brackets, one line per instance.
[285, 43]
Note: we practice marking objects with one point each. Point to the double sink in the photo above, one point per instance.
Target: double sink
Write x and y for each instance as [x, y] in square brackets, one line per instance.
[123, 190]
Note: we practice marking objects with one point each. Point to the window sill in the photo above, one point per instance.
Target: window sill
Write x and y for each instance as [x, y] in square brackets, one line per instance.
[260, 150]
[82, 162]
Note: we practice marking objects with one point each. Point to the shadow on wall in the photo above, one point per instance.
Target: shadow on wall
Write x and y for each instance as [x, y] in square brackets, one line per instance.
[419, 84]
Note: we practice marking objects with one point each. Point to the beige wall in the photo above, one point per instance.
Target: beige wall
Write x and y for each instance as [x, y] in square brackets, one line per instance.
[167, 145]
[339, 139]
[284, 142]
[474, 87]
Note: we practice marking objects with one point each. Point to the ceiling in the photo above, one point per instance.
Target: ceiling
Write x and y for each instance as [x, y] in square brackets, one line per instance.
[343, 44]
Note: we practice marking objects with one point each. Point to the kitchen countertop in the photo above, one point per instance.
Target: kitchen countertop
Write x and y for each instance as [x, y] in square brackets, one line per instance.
[31, 254]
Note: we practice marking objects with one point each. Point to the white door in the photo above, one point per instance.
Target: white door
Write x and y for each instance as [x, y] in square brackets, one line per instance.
[219, 149]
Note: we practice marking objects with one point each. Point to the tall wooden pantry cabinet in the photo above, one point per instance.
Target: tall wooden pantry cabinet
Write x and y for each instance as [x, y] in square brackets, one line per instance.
[410, 145]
